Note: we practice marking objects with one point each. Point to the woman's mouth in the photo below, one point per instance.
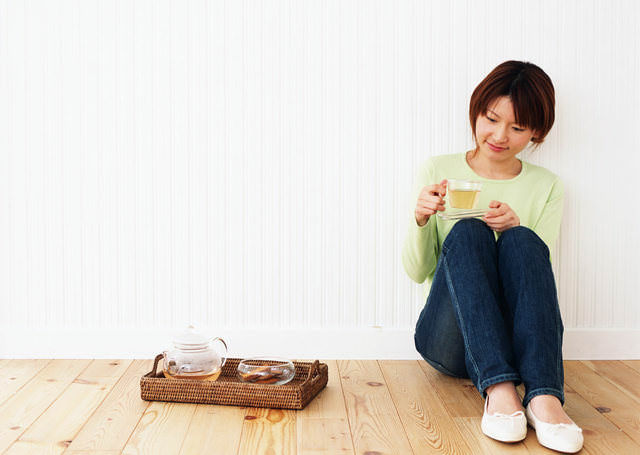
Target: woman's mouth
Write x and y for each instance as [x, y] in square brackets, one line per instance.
[495, 148]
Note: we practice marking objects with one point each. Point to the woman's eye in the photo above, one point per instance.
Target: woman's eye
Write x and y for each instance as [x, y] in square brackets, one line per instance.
[492, 120]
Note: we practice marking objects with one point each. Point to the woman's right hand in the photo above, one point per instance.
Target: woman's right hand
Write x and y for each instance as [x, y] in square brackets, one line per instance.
[430, 201]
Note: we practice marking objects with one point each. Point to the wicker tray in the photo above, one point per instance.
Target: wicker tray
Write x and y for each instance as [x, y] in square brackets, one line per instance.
[310, 379]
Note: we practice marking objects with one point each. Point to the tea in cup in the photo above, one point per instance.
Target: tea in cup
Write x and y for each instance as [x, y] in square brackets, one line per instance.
[463, 194]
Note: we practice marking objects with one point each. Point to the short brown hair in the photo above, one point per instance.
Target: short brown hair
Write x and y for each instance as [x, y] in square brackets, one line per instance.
[531, 93]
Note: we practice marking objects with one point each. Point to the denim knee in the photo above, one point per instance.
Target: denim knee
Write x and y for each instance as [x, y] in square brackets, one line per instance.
[470, 228]
[521, 236]
[456, 371]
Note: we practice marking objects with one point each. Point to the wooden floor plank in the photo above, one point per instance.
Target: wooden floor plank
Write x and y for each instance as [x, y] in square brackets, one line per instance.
[621, 375]
[21, 409]
[602, 395]
[584, 415]
[268, 431]
[93, 452]
[484, 444]
[608, 444]
[214, 429]
[533, 446]
[109, 428]
[429, 426]
[459, 396]
[635, 364]
[323, 425]
[54, 430]
[162, 428]
[374, 421]
[14, 373]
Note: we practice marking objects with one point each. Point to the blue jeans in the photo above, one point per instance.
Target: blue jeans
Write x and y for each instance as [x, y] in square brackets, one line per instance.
[492, 313]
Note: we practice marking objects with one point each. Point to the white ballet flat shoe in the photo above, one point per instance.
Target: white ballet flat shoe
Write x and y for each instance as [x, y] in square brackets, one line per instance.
[503, 427]
[561, 437]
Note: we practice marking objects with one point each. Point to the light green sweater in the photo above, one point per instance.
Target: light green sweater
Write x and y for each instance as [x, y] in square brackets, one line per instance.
[535, 195]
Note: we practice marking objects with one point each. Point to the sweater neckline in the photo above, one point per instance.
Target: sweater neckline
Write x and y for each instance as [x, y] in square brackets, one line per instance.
[523, 170]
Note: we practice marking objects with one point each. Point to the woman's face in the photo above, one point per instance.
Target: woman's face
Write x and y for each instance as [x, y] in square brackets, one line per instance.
[498, 135]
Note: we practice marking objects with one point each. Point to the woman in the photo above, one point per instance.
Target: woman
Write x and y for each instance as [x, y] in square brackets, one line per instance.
[492, 310]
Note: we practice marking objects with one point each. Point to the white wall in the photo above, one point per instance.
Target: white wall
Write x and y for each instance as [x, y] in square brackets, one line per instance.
[246, 166]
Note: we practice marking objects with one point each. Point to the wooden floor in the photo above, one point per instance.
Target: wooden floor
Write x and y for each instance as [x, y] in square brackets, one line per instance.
[368, 407]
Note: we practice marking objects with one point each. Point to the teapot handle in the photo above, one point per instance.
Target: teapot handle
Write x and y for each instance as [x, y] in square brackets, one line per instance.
[226, 350]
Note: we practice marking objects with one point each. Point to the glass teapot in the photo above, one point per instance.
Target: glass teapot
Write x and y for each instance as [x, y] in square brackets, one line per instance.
[194, 357]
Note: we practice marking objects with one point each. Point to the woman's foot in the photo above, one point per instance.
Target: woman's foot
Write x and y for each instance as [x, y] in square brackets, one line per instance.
[549, 409]
[554, 429]
[503, 418]
[503, 398]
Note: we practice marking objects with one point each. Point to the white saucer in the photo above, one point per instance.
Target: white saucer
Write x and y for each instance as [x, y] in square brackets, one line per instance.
[459, 214]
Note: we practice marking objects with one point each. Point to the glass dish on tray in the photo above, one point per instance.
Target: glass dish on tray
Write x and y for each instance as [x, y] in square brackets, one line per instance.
[266, 370]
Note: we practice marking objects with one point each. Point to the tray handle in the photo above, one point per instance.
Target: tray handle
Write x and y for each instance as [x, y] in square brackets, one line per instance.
[313, 371]
[155, 365]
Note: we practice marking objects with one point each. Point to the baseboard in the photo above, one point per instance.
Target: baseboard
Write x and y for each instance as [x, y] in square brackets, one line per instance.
[601, 344]
[374, 343]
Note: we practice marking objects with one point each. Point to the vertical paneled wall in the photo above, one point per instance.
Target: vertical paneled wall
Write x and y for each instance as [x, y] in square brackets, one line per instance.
[249, 163]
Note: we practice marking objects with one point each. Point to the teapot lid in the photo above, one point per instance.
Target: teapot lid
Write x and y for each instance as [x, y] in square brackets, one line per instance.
[190, 339]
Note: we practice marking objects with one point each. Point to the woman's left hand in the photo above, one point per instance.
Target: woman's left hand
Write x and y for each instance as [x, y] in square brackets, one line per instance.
[501, 217]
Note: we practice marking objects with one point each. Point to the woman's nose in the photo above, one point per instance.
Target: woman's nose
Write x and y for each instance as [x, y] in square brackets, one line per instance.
[499, 135]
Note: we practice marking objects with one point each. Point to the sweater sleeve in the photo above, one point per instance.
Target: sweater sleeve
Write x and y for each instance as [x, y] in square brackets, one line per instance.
[548, 224]
[420, 250]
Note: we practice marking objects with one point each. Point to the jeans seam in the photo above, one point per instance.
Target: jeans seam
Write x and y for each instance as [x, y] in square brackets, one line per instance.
[454, 298]
[559, 365]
